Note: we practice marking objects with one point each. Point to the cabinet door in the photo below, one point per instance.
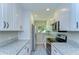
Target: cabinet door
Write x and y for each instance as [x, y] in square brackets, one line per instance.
[74, 17]
[54, 51]
[0, 11]
[23, 51]
[7, 16]
[28, 48]
[64, 17]
[77, 17]
[3, 14]
[11, 16]
[17, 18]
[73, 20]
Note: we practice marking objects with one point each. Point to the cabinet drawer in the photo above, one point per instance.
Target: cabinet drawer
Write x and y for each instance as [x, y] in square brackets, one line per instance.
[23, 51]
[26, 50]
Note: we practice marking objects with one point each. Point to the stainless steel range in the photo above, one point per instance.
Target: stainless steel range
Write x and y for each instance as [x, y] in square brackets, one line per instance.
[61, 38]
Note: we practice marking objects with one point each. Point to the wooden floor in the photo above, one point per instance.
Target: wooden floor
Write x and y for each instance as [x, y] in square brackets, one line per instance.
[40, 50]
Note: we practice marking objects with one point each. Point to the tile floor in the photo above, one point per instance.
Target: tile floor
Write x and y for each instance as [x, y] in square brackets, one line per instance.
[40, 50]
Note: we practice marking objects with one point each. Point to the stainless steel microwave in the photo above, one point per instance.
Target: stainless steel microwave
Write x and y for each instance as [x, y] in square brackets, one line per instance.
[56, 27]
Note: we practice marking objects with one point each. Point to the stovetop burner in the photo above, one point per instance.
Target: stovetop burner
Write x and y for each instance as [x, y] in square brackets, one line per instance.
[61, 38]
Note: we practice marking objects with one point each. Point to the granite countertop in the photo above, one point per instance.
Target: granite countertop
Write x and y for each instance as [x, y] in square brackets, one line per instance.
[12, 48]
[66, 49]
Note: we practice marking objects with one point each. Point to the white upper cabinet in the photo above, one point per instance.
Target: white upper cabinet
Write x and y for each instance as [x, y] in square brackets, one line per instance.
[68, 18]
[10, 18]
[64, 18]
[74, 17]
[77, 17]
[17, 18]
[1, 22]
[8, 10]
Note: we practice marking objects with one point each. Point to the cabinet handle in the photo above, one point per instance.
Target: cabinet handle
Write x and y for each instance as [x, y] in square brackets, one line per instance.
[7, 25]
[4, 24]
[77, 25]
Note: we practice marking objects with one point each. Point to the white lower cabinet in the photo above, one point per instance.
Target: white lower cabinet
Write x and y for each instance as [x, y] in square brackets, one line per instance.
[54, 51]
[26, 50]
[23, 51]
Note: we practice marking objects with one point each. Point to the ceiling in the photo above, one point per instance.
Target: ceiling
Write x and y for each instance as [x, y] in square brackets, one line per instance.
[43, 6]
[43, 15]
[39, 9]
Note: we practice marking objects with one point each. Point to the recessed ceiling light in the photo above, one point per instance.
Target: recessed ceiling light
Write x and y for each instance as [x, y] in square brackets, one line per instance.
[48, 9]
[64, 9]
